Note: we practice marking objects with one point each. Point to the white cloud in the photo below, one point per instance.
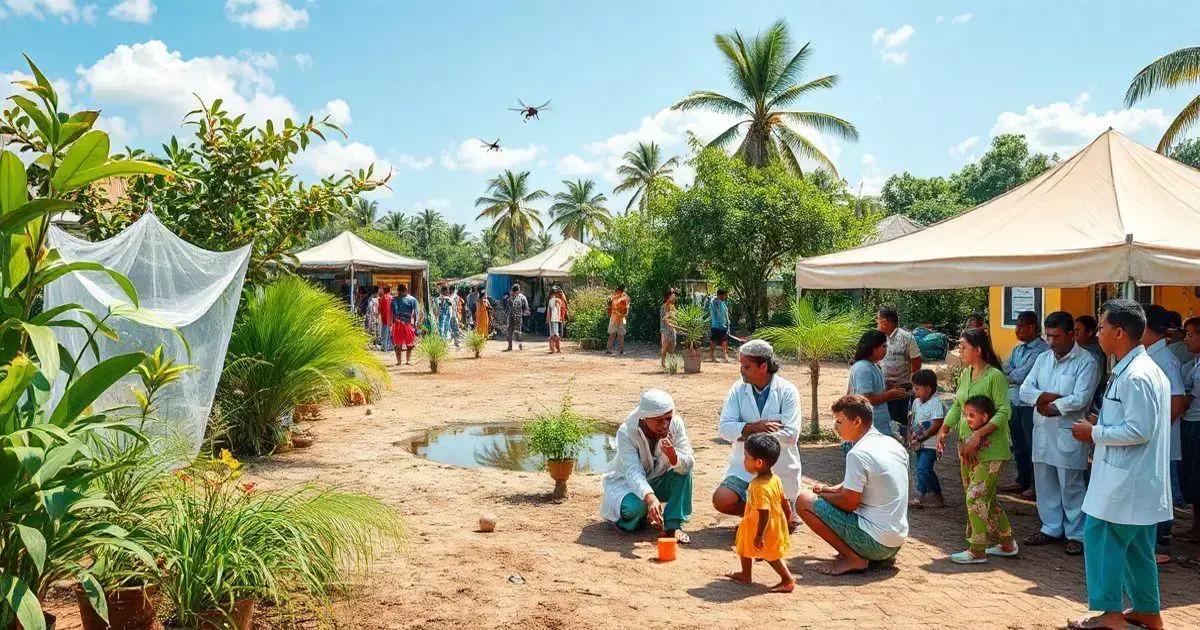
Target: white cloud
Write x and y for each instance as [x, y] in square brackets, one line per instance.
[66, 10]
[873, 177]
[338, 112]
[303, 61]
[939, 19]
[266, 14]
[1063, 127]
[436, 203]
[961, 19]
[120, 131]
[158, 84]
[62, 88]
[960, 149]
[891, 44]
[139, 11]
[473, 156]
[414, 163]
[336, 158]
[574, 165]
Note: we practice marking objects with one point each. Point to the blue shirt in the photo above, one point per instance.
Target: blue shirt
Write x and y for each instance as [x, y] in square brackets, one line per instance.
[760, 396]
[719, 313]
[1166, 361]
[1018, 366]
[404, 308]
[867, 379]
[1191, 382]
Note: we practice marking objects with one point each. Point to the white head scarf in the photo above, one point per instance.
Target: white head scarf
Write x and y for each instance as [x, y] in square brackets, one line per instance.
[654, 402]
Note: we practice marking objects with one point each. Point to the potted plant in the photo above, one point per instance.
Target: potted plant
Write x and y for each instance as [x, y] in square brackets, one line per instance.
[557, 437]
[434, 348]
[476, 342]
[691, 322]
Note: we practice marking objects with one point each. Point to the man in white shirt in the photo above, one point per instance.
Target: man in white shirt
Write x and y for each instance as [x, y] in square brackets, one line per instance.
[1060, 388]
[761, 402]
[902, 360]
[864, 518]
[1158, 322]
[1129, 492]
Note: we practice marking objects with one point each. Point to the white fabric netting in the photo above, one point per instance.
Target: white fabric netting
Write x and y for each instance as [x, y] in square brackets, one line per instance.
[194, 289]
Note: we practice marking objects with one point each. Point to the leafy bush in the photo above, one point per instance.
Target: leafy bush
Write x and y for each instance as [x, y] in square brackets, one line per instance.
[672, 364]
[558, 435]
[691, 322]
[434, 348]
[476, 341]
[588, 313]
[294, 344]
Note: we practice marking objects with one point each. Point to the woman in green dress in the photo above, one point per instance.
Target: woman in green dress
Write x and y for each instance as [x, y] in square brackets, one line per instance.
[982, 452]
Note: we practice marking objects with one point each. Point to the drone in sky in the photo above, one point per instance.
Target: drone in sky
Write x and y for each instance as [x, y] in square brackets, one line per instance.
[528, 111]
[491, 146]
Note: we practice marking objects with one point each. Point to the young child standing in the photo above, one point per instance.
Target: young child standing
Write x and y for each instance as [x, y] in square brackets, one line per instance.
[927, 416]
[763, 532]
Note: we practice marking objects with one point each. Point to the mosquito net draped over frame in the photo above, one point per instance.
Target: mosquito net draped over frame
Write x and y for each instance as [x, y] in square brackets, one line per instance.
[193, 289]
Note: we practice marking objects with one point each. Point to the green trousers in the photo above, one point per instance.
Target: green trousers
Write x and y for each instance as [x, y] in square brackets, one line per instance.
[1118, 560]
[986, 523]
[673, 490]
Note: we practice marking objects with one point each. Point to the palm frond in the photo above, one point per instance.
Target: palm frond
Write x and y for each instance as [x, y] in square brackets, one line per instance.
[1180, 67]
[727, 136]
[1183, 121]
[804, 147]
[706, 99]
[816, 334]
[825, 123]
[793, 93]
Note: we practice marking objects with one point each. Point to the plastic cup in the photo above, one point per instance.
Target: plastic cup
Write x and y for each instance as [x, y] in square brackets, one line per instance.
[666, 549]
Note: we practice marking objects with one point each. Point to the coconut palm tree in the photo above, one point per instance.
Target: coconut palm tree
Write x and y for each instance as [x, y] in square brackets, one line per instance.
[543, 241]
[507, 204]
[643, 171]
[362, 212]
[487, 246]
[578, 212]
[814, 336]
[766, 84]
[457, 234]
[398, 224]
[1175, 69]
[427, 224]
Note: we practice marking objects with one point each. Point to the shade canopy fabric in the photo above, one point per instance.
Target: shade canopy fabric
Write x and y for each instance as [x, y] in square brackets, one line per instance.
[555, 262]
[347, 249]
[1116, 211]
[891, 227]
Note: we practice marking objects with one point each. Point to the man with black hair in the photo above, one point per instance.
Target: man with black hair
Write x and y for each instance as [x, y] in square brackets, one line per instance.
[1060, 388]
[1158, 322]
[902, 360]
[1129, 491]
[1017, 367]
[1085, 337]
[1175, 343]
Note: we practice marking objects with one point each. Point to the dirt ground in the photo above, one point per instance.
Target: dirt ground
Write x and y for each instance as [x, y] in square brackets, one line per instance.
[556, 565]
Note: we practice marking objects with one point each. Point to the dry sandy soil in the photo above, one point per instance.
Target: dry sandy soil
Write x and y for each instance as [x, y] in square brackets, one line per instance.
[556, 565]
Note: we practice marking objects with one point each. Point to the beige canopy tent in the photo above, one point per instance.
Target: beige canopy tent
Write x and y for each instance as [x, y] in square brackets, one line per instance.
[347, 252]
[1114, 212]
[552, 264]
[891, 227]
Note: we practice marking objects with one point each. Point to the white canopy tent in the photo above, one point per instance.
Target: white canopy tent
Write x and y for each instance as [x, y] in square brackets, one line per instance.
[1114, 212]
[347, 251]
[555, 262]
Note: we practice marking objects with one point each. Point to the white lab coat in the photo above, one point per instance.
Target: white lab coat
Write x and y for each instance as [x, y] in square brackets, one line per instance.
[1131, 479]
[1074, 378]
[782, 406]
[634, 465]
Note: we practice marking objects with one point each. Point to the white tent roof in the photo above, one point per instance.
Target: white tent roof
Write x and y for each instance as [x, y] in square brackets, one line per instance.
[555, 262]
[891, 227]
[1113, 212]
[346, 249]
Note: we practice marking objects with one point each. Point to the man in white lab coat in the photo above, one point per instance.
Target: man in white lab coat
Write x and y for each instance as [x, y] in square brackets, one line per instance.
[1060, 388]
[1130, 488]
[761, 402]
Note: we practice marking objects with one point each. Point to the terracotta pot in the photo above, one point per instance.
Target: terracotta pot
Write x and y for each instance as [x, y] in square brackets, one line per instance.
[302, 441]
[560, 471]
[242, 618]
[691, 361]
[51, 622]
[130, 608]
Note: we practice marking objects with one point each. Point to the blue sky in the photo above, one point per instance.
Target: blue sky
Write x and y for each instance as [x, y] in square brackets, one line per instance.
[927, 83]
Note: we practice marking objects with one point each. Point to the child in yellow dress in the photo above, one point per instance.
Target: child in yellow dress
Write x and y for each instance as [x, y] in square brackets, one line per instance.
[764, 529]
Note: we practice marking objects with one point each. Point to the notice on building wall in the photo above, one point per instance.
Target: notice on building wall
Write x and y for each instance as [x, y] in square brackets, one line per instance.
[1020, 299]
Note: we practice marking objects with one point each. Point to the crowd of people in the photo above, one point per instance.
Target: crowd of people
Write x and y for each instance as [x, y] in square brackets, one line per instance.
[1106, 454]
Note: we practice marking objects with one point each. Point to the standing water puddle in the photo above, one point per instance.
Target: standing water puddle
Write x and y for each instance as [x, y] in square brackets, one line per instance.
[503, 446]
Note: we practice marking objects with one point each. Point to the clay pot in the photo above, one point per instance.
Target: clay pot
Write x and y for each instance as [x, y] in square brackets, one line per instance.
[300, 440]
[691, 361]
[242, 618]
[130, 608]
[560, 471]
[51, 622]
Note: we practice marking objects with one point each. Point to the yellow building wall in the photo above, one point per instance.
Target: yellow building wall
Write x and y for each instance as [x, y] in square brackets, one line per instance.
[1181, 299]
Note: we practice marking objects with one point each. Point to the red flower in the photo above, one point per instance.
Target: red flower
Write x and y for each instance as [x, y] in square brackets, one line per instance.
[249, 487]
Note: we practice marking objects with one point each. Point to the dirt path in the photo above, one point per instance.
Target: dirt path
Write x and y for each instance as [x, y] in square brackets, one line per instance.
[556, 565]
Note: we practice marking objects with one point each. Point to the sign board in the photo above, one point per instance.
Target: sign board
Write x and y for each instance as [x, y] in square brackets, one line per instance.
[1018, 299]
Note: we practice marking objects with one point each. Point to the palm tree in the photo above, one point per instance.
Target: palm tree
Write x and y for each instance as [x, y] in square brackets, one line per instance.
[507, 205]
[579, 212]
[363, 213]
[543, 241]
[767, 81]
[487, 246]
[457, 234]
[427, 224]
[814, 336]
[644, 171]
[398, 224]
[1175, 69]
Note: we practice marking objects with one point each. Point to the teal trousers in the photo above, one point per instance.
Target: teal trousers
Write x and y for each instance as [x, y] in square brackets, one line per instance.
[1118, 561]
[673, 490]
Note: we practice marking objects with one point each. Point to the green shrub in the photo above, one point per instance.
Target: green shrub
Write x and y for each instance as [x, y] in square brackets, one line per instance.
[294, 344]
[691, 322]
[558, 435]
[588, 310]
[476, 342]
[672, 364]
[434, 348]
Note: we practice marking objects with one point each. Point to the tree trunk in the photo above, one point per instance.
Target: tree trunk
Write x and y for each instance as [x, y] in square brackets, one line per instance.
[814, 376]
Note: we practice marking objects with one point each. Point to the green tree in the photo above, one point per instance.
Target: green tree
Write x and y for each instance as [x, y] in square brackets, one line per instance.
[456, 234]
[1006, 165]
[645, 173]
[745, 224]
[398, 224]
[488, 246]
[766, 79]
[507, 204]
[542, 241]
[816, 335]
[1175, 69]
[1187, 151]
[428, 225]
[579, 211]
[363, 212]
[901, 192]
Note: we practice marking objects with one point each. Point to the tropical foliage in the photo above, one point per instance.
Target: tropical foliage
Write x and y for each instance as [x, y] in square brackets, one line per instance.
[1175, 69]
[816, 335]
[645, 173]
[579, 211]
[293, 344]
[766, 79]
[560, 434]
[691, 322]
[507, 205]
[434, 349]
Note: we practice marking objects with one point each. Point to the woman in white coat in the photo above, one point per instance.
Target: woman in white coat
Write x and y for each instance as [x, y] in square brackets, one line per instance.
[761, 402]
[649, 482]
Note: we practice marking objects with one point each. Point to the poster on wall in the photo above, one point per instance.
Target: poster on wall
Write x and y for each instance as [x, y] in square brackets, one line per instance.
[1018, 299]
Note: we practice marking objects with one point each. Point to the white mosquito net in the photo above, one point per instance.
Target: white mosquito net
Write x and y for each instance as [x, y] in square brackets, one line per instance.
[194, 289]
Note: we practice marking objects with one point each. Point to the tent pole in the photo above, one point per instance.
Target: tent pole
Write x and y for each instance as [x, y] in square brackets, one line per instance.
[352, 283]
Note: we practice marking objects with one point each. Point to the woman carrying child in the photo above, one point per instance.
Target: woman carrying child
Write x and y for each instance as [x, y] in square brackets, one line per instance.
[980, 415]
[763, 532]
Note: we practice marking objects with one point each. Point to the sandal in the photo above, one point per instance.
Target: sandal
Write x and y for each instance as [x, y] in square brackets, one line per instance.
[966, 557]
[999, 551]
[1088, 624]
[1037, 539]
[1074, 548]
[682, 537]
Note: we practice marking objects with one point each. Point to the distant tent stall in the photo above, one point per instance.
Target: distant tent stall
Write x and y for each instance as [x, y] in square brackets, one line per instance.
[347, 261]
[537, 273]
[891, 227]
